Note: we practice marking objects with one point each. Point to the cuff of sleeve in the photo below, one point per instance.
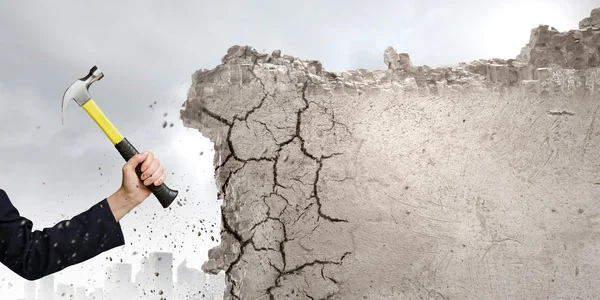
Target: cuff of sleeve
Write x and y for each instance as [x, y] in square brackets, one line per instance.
[113, 234]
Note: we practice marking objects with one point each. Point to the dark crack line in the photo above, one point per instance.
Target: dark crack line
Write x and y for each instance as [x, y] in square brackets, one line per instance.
[226, 225]
[269, 130]
[299, 123]
[316, 195]
[267, 205]
[307, 233]
[333, 120]
[258, 224]
[305, 210]
[251, 242]
[307, 295]
[298, 180]
[231, 124]
[224, 162]
[227, 228]
[226, 183]
[274, 267]
[300, 268]
[284, 208]
[215, 116]
[327, 277]
[305, 152]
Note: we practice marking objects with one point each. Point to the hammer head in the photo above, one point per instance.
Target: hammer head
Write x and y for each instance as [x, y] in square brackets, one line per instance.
[79, 90]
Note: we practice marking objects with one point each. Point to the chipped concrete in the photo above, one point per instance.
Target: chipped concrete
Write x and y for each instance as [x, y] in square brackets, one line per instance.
[476, 181]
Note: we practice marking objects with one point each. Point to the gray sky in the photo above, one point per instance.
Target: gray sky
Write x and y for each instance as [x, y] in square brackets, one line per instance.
[148, 51]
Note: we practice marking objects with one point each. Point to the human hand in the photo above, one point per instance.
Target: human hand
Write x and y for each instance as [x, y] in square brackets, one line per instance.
[133, 188]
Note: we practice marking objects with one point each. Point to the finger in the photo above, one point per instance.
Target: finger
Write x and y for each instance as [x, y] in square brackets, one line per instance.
[153, 167]
[147, 162]
[161, 179]
[134, 161]
[159, 171]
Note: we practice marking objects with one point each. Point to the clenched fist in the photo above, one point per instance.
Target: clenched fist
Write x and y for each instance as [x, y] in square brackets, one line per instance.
[133, 190]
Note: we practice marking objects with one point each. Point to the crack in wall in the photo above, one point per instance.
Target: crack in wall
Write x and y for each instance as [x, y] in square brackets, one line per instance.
[232, 156]
[242, 242]
[291, 134]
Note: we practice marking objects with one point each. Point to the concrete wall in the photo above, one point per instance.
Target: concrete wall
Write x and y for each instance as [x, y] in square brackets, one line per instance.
[478, 181]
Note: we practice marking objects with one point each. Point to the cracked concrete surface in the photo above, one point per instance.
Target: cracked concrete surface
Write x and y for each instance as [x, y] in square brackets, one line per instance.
[476, 181]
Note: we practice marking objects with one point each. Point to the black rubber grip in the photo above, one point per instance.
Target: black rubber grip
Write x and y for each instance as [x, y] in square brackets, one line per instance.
[163, 193]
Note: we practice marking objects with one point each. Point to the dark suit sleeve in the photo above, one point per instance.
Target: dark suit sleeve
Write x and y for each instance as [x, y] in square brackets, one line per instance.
[35, 254]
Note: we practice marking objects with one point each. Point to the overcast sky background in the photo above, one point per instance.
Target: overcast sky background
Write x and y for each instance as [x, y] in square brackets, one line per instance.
[148, 51]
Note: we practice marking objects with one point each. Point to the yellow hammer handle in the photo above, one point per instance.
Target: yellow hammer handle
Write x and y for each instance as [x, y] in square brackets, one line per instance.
[107, 127]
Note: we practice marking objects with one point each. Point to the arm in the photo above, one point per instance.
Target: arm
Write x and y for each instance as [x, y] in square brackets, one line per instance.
[35, 254]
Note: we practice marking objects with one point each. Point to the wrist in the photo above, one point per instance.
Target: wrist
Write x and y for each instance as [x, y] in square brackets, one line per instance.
[120, 203]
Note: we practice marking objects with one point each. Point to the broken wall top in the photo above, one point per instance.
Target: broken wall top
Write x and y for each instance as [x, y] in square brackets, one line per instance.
[552, 62]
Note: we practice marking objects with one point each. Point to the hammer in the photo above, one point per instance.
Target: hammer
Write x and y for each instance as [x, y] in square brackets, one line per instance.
[78, 92]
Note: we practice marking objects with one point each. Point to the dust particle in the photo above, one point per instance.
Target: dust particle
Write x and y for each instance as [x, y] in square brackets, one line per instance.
[164, 124]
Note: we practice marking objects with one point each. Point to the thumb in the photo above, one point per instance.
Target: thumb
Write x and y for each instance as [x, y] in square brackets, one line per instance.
[135, 160]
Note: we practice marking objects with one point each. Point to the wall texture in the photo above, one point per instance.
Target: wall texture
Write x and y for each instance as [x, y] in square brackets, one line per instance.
[479, 181]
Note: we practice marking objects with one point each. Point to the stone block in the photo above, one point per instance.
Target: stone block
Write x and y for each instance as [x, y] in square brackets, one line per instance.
[545, 78]
[570, 80]
[530, 87]
[558, 76]
[499, 73]
[590, 80]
